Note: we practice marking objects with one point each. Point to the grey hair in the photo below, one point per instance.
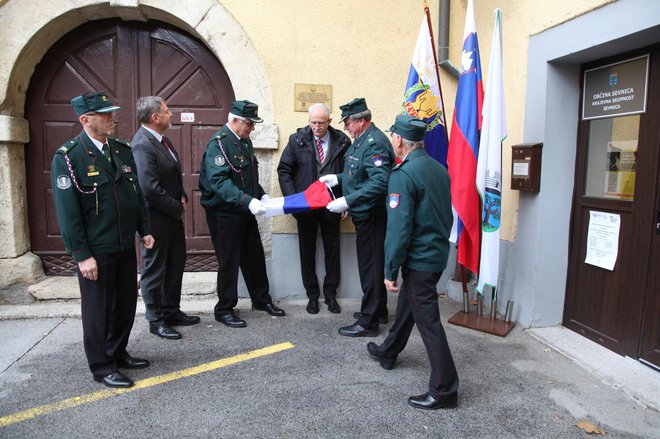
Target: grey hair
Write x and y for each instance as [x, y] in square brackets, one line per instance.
[412, 144]
[321, 106]
[366, 115]
[146, 106]
[232, 116]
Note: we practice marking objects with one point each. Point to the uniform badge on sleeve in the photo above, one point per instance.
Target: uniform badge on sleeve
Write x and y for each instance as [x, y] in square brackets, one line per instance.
[394, 201]
[219, 160]
[377, 160]
[63, 182]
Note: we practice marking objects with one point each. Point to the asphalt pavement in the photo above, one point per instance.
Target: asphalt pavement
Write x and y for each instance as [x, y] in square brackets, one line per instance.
[295, 377]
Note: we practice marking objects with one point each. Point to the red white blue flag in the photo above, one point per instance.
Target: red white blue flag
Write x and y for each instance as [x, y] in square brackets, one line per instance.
[316, 196]
[464, 148]
[423, 96]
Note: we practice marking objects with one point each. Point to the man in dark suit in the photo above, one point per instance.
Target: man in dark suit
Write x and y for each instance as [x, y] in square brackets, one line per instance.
[159, 174]
[99, 208]
[315, 150]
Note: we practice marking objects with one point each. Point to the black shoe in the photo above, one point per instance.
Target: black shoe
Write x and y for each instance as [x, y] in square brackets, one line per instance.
[355, 330]
[385, 362]
[313, 306]
[182, 319]
[132, 363]
[271, 309]
[164, 331]
[382, 320]
[230, 320]
[115, 379]
[428, 402]
[333, 306]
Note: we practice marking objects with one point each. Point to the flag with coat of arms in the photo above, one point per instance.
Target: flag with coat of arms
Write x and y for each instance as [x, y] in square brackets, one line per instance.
[463, 150]
[423, 96]
[489, 167]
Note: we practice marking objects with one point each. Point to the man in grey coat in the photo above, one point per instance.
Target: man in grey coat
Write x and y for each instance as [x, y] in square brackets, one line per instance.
[160, 178]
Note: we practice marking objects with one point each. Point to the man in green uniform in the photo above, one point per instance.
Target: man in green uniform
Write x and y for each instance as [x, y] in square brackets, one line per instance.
[99, 208]
[367, 165]
[232, 196]
[419, 220]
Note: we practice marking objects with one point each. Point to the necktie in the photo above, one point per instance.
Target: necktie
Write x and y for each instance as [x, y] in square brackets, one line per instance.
[319, 148]
[167, 145]
[106, 152]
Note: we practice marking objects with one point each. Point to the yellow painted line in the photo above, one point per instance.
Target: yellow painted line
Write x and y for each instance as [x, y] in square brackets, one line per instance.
[142, 384]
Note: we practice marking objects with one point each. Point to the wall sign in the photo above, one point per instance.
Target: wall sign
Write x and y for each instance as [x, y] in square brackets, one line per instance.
[616, 89]
[305, 95]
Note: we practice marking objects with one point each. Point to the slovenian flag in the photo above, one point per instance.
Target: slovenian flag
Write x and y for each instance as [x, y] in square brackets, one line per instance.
[423, 96]
[489, 167]
[464, 148]
[316, 196]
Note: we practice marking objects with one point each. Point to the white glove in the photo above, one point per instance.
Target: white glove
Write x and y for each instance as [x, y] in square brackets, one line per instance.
[257, 207]
[337, 206]
[330, 180]
[265, 199]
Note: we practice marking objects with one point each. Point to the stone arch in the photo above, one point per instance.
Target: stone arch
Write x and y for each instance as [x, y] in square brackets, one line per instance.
[31, 27]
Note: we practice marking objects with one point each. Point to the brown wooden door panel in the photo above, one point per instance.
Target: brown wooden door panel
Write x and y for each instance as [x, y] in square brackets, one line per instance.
[620, 309]
[127, 60]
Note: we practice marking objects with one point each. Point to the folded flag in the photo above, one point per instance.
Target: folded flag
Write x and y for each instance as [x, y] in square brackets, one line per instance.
[316, 196]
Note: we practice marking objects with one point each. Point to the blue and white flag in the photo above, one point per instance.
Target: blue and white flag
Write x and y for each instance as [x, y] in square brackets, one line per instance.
[423, 96]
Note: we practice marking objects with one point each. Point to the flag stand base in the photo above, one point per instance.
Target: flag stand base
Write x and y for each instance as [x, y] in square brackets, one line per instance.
[482, 323]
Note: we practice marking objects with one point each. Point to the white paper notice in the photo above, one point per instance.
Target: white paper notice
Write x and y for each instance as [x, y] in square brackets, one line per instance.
[603, 239]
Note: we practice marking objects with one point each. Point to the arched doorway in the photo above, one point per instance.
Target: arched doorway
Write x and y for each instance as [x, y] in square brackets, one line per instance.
[127, 60]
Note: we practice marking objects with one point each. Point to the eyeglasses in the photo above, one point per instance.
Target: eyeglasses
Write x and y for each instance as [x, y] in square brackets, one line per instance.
[247, 123]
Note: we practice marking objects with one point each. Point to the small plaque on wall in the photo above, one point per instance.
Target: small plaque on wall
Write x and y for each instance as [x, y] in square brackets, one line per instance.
[305, 95]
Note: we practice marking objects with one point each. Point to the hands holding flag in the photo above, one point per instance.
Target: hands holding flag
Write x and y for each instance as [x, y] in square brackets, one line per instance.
[339, 205]
[316, 196]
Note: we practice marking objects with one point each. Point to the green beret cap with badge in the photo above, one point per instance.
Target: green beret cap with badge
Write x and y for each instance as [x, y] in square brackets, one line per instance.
[409, 127]
[357, 105]
[93, 103]
[246, 109]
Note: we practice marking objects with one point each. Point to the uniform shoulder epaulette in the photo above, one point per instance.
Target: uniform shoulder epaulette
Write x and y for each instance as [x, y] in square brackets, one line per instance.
[68, 146]
[221, 135]
[122, 142]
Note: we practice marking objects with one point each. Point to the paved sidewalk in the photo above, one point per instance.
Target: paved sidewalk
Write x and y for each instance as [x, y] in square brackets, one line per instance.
[536, 383]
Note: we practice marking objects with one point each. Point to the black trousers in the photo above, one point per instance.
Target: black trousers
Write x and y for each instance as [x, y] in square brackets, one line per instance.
[308, 225]
[370, 243]
[237, 244]
[418, 305]
[108, 310]
[162, 275]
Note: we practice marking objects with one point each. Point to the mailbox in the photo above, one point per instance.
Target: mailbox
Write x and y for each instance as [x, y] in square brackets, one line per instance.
[526, 167]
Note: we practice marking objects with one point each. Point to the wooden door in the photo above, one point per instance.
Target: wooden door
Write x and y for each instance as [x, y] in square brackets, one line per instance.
[127, 60]
[617, 173]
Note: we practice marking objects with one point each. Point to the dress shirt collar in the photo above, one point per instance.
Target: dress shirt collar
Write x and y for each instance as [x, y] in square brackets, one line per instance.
[155, 133]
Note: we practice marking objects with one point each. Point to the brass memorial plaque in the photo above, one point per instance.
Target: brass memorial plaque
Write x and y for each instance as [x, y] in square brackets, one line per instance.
[305, 95]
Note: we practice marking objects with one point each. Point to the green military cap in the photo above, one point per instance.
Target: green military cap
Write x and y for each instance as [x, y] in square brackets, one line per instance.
[409, 127]
[357, 105]
[246, 109]
[93, 102]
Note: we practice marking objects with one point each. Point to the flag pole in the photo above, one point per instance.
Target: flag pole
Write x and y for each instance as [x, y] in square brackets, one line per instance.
[435, 63]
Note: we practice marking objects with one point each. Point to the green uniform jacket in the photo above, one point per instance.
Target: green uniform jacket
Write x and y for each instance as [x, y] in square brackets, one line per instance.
[419, 216]
[98, 208]
[229, 175]
[367, 165]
